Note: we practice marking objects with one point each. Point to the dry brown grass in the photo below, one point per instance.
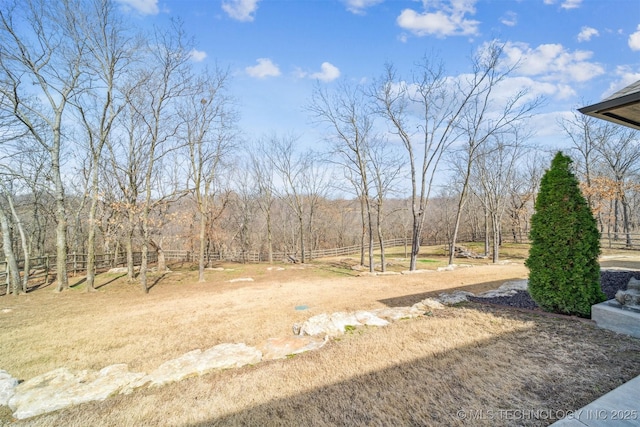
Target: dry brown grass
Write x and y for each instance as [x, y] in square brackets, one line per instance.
[414, 372]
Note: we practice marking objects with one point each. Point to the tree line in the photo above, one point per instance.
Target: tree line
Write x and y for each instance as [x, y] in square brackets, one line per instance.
[119, 142]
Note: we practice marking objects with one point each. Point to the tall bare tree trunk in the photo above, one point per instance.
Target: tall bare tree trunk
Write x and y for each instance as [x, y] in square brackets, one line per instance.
[203, 245]
[7, 246]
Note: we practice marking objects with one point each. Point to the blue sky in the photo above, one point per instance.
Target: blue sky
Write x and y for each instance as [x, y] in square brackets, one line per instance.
[573, 52]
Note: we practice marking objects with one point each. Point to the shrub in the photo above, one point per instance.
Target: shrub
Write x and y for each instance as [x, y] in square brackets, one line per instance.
[564, 274]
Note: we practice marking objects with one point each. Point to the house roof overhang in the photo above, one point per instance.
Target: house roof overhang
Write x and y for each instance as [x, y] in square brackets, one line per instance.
[623, 107]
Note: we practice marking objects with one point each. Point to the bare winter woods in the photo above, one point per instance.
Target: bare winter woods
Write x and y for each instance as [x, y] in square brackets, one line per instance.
[112, 141]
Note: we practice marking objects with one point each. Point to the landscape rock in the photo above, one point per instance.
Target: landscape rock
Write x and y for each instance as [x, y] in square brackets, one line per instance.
[241, 279]
[280, 348]
[419, 271]
[393, 314]
[198, 362]
[497, 293]
[117, 270]
[321, 325]
[454, 298]
[7, 387]
[370, 319]
[341, 320]
[367, 274]
[62, 387]
[518, 285]
[429, 304]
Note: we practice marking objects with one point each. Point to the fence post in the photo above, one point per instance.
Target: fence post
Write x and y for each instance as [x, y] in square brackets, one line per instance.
[6, 279]
[46, 270]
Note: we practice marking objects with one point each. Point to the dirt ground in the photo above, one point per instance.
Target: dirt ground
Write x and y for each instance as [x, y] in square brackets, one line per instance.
[425, 371]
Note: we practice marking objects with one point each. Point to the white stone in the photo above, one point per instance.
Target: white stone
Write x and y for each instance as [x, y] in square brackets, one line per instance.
[497, 293]
[518, 285]
[241, 279]
[62, 387]
[280, 348]
[198, 362]
[393, 314]
[429, 303]
[320, 324]
[367, 274]
[7, 387]
[454, 298]
[341, 320]
[370, 319]
[419, 271]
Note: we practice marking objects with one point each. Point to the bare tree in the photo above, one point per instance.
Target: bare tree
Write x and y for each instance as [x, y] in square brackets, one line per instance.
[496, 169]
[348, 116]
[109, 56]
[584, 133]
[263, 176]
[486, 116]
[386, 168]
[41, 55]
[619, 149]
[209, 132]
[153, 102]
[7, 247]
[291, 169]
[423, 114]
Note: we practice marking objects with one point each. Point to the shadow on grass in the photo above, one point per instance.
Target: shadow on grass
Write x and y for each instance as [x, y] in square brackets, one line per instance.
[108, 282]
[485, 382]
[630, 265]
[157, 280]
[408, 300]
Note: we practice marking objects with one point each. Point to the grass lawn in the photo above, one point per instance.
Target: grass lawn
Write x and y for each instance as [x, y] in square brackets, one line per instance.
[466, 365]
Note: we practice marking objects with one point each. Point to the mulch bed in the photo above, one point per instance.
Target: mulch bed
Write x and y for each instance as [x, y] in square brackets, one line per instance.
[610, 280]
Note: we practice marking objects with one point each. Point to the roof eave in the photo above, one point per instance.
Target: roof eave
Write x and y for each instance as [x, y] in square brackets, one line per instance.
[611, 110]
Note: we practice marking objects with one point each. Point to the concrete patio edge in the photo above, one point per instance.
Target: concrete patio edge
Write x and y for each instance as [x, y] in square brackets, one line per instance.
[619, 407]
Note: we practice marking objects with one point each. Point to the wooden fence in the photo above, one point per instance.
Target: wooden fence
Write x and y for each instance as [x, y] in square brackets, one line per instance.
[257, 256]
[44, 267]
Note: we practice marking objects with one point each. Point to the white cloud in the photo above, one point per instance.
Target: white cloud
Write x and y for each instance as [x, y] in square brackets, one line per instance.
[358, 6]
[241, 10]
[328, 72]
[634, 40]
[144, 7]
[552, 62]
[571, 4]
[510, 19]
[566, 4]
[626, 76]
[265, 68]
[197, 55]
[442, 19]
[586, 33]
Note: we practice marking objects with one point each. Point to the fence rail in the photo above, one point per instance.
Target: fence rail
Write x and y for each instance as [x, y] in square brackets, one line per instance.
[45, 266]
[257, 256]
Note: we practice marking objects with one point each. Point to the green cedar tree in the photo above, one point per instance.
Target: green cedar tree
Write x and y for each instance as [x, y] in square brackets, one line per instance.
[564, 274]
